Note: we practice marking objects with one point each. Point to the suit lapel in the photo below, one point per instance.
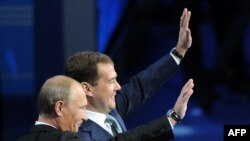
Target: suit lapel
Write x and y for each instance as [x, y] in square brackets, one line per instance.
[96, 131]
[117, 116]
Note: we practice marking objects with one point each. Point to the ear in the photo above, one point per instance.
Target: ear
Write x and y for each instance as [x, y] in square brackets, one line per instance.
[87, 88]
[59, 105]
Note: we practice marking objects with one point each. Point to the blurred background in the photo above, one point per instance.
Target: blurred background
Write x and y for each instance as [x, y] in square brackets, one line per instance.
[36, 37]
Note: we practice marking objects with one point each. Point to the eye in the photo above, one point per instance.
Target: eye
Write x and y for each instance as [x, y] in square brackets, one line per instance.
[83, 108]
[112, 81]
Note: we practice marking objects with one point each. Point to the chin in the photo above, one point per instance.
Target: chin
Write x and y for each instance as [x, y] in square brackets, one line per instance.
[75, 130]
[112, 107]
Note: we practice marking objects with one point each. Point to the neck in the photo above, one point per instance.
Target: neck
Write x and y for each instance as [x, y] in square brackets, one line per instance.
[94, 109]
[49, 121]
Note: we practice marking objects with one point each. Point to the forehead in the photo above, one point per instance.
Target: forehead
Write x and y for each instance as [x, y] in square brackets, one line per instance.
[77, 91]
[106, 70]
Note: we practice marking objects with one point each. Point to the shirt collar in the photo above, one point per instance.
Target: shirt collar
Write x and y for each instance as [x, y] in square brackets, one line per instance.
[43, 123]
[99, 118]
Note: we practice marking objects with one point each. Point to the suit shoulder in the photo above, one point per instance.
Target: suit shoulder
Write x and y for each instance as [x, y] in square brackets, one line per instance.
[56, 136]
[69, 136]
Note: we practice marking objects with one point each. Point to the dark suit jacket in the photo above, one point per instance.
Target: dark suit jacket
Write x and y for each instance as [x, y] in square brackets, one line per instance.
[133, 94]
[48, 133]
[157, 130]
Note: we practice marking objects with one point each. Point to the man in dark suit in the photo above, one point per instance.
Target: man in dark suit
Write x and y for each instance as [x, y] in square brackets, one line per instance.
[96, 73]
[61, 107]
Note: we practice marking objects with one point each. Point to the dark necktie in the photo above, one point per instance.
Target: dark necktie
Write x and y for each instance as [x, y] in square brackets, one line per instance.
[115, 126]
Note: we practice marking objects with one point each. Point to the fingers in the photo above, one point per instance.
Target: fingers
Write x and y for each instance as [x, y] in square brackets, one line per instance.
[185, 17]
[187, 90]
[187, 95]
[189, 83]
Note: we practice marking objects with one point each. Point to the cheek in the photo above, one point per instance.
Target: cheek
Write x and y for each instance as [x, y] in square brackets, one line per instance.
[73, 114]
[102, 93]
[82, 114]
[79, 115]
[107, 88]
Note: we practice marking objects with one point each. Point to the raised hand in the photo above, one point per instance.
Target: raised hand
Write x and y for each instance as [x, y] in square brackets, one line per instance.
[185, 37]
[180, 106]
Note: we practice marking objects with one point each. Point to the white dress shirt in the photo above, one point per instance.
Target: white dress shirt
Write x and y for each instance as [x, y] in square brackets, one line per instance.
[99, 118]
[176, 59]
[43, 123]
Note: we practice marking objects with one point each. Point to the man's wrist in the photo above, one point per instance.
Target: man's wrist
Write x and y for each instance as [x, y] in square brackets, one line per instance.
[173, 115]
[171, 121]
[177, 54]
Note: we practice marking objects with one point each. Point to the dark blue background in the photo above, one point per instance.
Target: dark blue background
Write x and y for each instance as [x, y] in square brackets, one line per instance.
[135, 33]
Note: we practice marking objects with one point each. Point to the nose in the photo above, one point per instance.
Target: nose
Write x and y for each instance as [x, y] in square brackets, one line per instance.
[84, 117]
[118, 87]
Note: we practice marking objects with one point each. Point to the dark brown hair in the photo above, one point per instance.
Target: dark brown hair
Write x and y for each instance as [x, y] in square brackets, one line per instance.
[82, 66]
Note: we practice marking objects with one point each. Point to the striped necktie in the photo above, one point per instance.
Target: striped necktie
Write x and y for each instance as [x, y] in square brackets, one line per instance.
[115, 126]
